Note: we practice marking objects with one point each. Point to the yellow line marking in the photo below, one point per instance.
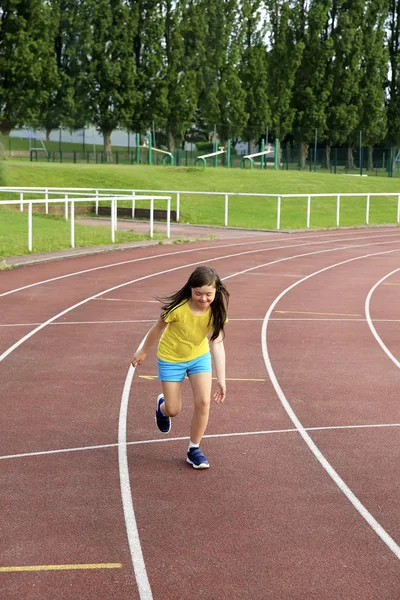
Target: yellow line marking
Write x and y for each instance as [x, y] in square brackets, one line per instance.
[227, 378]
[61, 567]
[301, 312]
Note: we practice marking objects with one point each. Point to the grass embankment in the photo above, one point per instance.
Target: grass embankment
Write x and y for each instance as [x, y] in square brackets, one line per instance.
[259, 213]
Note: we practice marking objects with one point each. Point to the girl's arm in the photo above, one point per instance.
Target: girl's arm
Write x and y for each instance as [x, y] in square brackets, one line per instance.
[150, 340]
[217, 349]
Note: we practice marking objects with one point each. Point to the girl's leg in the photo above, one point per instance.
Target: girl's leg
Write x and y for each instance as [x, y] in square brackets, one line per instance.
[172, 398]
[201, 387]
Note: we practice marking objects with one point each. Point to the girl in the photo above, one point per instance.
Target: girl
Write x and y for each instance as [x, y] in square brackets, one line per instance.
[188, 317]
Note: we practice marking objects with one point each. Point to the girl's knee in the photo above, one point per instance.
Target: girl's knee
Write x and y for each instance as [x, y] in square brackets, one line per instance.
[203, 403]
[172, 412]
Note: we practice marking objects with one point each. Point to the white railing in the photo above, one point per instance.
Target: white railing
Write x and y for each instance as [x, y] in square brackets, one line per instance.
[100, 194]
[70, 200]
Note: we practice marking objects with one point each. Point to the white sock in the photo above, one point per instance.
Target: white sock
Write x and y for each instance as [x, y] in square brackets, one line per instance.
[191, 445]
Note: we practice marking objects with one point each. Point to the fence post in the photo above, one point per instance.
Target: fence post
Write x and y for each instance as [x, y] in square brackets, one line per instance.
[367, 211]
[21, 199]
[337, 210]
[278, 214]
[66, 207]
[169, 218]
[133, 205]
[151, 217]
[308, 211]
[178, 202]
[226, 209]
[47, 204]
[97, 202]
[112, 221]
[30, 226]
[72, 224]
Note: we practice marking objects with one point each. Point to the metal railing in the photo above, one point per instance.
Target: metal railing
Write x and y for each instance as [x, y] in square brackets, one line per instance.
[101, 194]
[71, 196]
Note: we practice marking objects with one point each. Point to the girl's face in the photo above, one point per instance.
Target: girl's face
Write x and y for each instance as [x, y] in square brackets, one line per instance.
[203, 296]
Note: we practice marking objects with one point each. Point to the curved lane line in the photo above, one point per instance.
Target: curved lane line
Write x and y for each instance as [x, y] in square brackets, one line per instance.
[377, 528]
[370, 323]
[134, 260]
[151, 275]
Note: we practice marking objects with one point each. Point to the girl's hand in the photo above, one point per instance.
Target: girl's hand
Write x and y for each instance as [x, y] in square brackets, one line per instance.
[219, 395]
[138, 358]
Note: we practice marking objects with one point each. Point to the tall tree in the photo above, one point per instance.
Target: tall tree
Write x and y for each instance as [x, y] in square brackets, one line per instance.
[345, 30]
[148, 46]
[393, 83]
[222, 101]
[253, 69]
[27, 65]
[285, 55]
[312, 85]
[373, 116]
[109, 66]
[183, 55]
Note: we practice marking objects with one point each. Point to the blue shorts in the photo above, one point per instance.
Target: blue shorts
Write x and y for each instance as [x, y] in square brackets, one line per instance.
[172, 371]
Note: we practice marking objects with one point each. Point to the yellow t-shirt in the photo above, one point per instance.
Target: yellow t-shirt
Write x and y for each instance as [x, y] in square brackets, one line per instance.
[185, 336]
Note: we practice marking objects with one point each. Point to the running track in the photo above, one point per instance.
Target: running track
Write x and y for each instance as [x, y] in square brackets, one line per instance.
[302, 497]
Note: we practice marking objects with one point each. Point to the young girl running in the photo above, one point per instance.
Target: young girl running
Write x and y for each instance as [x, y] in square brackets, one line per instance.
[189, 317]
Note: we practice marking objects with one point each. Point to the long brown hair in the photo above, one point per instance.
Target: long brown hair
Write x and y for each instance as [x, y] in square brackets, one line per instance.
[201, 276]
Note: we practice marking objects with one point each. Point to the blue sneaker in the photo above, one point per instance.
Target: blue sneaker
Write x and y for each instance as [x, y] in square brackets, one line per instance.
[196, 458]
[163, 422]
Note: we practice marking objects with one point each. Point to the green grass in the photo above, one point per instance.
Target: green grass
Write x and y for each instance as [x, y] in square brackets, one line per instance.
[258, 213]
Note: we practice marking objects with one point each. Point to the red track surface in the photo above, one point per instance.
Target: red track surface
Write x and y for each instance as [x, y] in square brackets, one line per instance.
[281, 514]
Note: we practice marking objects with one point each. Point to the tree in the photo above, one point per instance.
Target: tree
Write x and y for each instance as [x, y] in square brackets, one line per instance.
[149, 55]
[27, 65]
[184, 34]
[393, 82]
[109, 66]
[284, 58]
[346, 24]
[222, 100]
[312, 85]
[373, 116]
[65, 105]
[253, 69]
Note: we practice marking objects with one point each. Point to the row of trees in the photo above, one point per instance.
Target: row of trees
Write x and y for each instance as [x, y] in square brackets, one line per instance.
[292, 66]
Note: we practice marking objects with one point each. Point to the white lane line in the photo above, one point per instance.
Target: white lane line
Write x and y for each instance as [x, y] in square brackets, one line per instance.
[81, 323]
[207, 436]
[334, 238]
[361, 320]
[128, 300]
[361, 509]
[137, 558]
[370, 323]
[134, 260]
[185, 266]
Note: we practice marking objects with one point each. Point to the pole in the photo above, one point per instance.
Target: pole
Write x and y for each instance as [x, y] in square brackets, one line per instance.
[138, 148]
[361, 153]
[149, 151]
[276, 153]
[315, 150]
